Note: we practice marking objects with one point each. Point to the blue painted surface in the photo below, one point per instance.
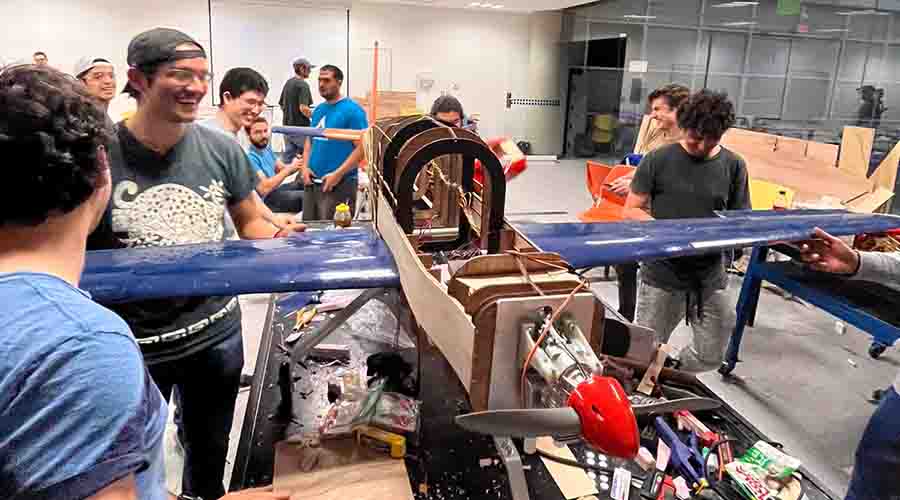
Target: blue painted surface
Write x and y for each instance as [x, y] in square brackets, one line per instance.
[587, 245]
[299, 131]
[315, 260]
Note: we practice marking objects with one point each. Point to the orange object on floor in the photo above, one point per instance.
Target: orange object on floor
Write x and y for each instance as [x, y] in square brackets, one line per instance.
[608, 206]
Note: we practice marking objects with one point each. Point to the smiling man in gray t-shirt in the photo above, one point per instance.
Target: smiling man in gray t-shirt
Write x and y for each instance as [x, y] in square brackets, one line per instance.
[691, 178]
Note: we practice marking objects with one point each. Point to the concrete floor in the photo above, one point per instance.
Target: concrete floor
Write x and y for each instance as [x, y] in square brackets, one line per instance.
[796, 367]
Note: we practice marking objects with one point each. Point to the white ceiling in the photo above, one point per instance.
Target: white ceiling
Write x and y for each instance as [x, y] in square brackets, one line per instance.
[508, 5]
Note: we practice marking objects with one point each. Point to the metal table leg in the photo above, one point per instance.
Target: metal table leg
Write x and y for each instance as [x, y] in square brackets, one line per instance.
[745, 309]
[517, 483]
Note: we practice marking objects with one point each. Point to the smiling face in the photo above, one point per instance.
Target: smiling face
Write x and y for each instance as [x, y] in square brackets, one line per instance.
[666, 115]
[174, 91]
[101, 81]
[242, 110]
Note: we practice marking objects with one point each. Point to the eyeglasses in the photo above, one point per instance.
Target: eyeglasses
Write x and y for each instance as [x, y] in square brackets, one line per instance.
[187, 77]
[253, 103]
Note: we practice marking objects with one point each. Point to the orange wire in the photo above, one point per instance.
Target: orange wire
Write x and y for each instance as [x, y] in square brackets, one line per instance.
[543, 335]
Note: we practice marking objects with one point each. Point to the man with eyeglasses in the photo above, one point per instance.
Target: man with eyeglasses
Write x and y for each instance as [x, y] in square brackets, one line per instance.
[242, 97]
[99, 76]
[172, 181]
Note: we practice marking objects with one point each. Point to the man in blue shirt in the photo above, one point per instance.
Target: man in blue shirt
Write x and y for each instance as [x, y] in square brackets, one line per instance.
[329, 166]
[80, 417]
[271, 172]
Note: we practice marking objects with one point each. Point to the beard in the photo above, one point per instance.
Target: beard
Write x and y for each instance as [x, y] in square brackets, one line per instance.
[260, 144]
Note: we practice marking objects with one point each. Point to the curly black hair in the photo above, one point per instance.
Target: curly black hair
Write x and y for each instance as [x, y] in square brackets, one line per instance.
[51, 132]
[239, 80]
[706, 113]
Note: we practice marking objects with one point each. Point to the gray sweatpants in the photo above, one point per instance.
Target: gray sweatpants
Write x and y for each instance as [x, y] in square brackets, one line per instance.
[319, 205]
[662, 310]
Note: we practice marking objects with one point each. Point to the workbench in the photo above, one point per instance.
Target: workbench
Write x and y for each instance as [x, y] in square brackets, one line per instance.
[871, 307]
[446, 457]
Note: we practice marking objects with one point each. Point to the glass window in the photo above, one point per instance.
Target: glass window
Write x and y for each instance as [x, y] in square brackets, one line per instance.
[891, 70]
[727, 54]
[813, 58]
[846, 102]
[729, 84]
[823, 21]
[769, 20]
[806, 99]
[763, 97]
[869, 27]
[672, 50]
[853, 60]
[768, 56]
[720, 14]
[613, 9]
[682, 12]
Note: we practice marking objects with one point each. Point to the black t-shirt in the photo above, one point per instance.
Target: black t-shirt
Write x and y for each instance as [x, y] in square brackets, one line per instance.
[681, 187]
[173, 199]
[295, 92]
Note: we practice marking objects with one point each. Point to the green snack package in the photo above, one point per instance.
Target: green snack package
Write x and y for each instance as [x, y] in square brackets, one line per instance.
[776, 464]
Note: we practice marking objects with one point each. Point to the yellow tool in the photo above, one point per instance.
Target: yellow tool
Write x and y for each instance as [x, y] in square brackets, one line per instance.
[304, 316]
[382, 440]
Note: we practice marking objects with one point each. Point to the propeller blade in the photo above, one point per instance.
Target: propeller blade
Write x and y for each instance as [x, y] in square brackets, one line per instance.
[523, 423]
[671, 406]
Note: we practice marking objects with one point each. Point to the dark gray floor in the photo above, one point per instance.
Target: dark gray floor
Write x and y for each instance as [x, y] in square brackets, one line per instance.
[796, 367]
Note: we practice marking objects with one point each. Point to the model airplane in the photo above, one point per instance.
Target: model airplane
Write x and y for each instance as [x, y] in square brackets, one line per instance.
[429, 208]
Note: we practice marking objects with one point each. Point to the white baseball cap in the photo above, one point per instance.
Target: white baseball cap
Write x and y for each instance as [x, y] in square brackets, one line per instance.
[86, 63]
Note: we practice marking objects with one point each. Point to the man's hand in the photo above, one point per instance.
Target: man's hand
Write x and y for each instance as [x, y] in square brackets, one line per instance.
[287, 225]
[306, 110]
[829, 254]
[331, 180]
[256, 494]
[307, 177]
[622, 185]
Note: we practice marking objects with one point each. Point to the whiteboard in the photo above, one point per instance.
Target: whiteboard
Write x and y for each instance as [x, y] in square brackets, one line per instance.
[267, 35]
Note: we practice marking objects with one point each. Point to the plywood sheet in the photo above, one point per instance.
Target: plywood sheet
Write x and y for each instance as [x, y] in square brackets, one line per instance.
[347, 472]
[441, 316]
[764, 145]
[573, 482]
[856, 150]
[885, 176]
[808, 180]
[871, 202]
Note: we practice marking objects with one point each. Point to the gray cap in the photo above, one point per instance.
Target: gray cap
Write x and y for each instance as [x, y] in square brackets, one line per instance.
[158, 46]
[302, 61]
[85, 64]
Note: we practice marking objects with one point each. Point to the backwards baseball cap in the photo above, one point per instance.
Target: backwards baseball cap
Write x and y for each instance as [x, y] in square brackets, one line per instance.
[302, 61]
[87, 63]
[159, 46]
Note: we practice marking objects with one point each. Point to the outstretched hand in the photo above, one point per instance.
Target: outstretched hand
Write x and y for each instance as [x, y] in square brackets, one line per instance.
[829, 254]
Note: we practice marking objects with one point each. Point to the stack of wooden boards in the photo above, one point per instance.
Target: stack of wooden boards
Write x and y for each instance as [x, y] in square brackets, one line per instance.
[391, 103]
[814, 171]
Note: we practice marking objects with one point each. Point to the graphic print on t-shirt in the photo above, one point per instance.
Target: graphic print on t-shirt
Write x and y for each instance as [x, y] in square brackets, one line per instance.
[168, 214]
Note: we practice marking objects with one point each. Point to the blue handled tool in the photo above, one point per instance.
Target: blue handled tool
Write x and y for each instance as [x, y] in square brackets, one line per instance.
[686, 458]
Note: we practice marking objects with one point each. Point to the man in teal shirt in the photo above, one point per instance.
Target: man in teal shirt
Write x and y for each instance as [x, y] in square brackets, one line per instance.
[329, 169]
[271, 172]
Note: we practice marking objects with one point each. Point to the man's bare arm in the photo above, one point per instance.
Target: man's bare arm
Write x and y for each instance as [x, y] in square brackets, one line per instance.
[635, 205]
[268, 184]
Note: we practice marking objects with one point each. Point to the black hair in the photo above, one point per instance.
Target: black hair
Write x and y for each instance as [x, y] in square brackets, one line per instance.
[447, 104]
[338, 74]
[39, 53]
[239, 80]
[149, 71]
[706, 113]
[51, 129]
[674, 94]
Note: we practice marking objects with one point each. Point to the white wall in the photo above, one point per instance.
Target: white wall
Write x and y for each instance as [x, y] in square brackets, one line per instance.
[67, 30]
[476, 55]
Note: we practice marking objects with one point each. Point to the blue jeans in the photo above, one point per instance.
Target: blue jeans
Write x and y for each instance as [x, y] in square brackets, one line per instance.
[292, 149]
[876, 474]
[207, 383]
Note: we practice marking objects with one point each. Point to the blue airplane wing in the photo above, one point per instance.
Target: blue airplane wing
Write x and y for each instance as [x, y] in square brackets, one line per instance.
[315, 260]
[588, 245]
[358, 258]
